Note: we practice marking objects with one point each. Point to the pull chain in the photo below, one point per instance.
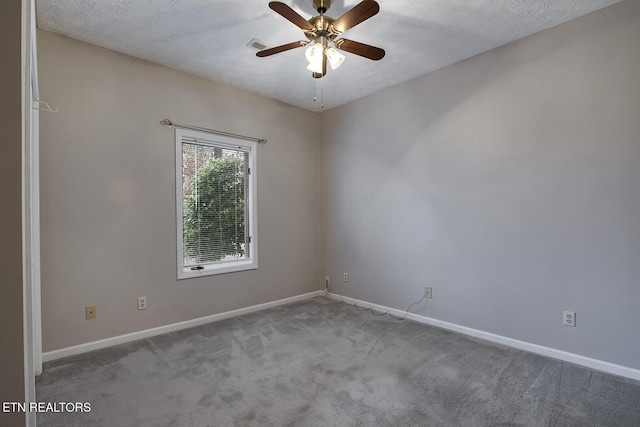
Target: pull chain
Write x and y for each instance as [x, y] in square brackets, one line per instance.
[315, 98]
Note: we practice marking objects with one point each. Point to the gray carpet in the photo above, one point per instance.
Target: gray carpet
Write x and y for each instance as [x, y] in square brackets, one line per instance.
[320, 363]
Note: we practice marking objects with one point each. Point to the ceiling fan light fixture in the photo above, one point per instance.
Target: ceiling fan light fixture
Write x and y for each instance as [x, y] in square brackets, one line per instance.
[335, 58]
[314, 52]
[321, 32]
[315, 66]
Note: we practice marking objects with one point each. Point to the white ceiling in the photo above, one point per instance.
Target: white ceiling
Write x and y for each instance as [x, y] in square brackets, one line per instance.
[209, 37]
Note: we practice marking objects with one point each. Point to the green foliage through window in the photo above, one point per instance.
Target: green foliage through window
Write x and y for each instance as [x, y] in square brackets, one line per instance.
[214, 211]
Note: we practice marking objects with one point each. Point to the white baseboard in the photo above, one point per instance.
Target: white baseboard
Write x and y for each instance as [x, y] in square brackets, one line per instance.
[134, 336]
[588, 362]
[577, 359]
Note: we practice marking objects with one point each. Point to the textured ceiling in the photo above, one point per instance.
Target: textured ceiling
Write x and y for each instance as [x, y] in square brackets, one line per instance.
[209, 37]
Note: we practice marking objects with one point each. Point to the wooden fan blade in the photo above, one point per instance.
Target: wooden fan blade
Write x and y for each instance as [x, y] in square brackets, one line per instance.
[360, 12]
[290, 14]
[281, 48]
[360, 49]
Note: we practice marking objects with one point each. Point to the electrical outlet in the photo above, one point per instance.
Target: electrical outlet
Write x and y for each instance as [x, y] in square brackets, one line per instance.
[90, 312]
[570, 318]
[427, 292]
[142, 303]
[326, 283]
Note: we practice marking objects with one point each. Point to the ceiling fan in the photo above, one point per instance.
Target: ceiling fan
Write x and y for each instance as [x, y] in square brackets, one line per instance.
[322, 32]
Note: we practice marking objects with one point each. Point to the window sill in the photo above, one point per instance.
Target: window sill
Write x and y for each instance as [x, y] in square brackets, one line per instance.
[210, 270]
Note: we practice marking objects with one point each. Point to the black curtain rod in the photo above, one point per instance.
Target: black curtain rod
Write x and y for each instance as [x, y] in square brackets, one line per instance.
[167, 122]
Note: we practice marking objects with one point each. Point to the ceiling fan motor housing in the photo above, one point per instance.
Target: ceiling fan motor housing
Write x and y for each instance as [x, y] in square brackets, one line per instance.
[321, 28]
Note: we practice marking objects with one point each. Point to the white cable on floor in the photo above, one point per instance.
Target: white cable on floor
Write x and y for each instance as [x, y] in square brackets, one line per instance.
[372, 310]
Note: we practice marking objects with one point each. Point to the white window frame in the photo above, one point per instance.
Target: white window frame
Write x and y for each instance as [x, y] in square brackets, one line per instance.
[222, 141]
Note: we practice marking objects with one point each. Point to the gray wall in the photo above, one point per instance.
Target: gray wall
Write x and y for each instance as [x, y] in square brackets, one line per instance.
[509, 182]
[108, 194]
[11, 334]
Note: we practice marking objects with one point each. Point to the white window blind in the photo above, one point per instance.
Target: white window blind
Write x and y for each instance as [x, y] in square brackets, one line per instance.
[216, 204]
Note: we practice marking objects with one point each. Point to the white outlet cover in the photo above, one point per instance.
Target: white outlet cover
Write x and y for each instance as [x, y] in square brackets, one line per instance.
[569, 318]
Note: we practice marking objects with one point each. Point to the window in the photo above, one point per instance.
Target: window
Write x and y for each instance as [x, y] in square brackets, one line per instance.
[216, 204]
